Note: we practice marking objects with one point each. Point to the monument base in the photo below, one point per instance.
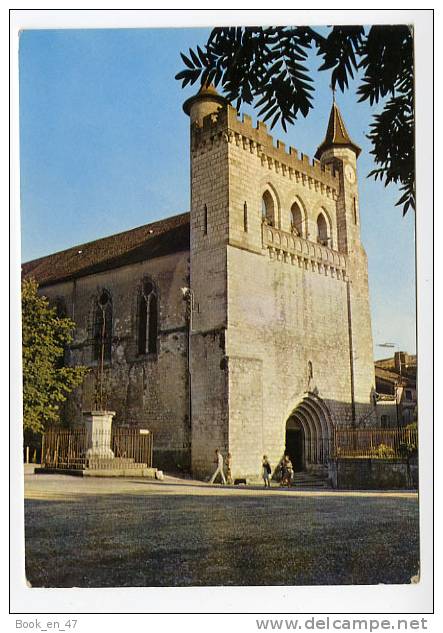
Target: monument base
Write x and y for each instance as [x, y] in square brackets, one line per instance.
[98, 426]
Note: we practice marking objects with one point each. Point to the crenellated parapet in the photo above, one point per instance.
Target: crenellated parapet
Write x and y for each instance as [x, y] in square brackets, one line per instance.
[295, 250]
[225, 126]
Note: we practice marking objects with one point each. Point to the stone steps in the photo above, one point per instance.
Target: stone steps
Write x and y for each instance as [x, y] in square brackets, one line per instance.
[305, 479]
[103, 463]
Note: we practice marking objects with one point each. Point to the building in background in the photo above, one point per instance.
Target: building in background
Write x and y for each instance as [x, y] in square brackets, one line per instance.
[396, 386]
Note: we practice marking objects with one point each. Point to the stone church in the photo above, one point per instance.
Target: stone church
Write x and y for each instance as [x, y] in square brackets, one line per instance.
[242, 325]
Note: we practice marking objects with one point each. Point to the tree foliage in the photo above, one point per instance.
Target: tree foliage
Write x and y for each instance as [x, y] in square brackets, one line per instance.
[266, 67]
[46, 382]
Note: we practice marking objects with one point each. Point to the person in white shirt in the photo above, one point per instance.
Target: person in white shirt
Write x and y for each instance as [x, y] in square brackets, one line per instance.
[219, 470]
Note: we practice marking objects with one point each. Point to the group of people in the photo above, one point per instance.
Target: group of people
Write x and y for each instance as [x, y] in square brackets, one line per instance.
[285, 472]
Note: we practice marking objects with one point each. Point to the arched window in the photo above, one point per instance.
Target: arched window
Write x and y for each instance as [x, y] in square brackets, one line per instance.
[268, 208]
[322, 230]
[296, 219]
[59, 305]
[102, 333]
[148, 319]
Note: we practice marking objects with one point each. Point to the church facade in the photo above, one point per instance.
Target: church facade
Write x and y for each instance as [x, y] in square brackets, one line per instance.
[242, 325]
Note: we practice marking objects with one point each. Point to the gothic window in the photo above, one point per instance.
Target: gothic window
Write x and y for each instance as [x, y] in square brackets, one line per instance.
[296, 219]
[322, 230]
[268, 208]
[148, 319]
[61, 313]
[102, 330]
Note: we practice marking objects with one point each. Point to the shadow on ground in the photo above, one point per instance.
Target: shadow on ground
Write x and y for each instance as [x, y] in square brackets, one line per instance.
[188, 540]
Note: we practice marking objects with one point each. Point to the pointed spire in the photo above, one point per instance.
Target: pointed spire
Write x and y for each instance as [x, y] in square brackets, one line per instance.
[336, 134]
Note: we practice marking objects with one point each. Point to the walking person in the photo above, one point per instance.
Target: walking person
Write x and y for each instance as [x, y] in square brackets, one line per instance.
[266, 471]
[219, 470]
[282, 471]
[289, 471]
[229, 469]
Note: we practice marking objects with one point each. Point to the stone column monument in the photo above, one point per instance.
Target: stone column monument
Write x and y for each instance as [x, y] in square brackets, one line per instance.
[98, 426]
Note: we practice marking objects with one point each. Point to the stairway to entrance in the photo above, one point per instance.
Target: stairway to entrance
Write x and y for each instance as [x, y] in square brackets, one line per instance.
[305, 479]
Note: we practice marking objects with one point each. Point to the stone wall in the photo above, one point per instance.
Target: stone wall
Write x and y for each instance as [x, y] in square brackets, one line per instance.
[146, 390]
[373, 474]
[280, 318]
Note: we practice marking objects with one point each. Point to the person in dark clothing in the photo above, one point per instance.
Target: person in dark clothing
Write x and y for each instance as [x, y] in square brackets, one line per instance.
[267, 470]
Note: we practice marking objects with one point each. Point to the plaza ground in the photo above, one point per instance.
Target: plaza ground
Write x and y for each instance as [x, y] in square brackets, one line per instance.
[132, 532]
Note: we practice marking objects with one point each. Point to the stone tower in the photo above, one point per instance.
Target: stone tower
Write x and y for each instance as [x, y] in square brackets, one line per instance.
[281, 346]
[339, 152]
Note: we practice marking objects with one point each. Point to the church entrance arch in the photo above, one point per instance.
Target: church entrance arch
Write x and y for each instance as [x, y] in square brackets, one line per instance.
[295, 441]
[309, 434]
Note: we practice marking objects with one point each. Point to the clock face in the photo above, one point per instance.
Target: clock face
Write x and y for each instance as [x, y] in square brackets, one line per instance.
[350, 174]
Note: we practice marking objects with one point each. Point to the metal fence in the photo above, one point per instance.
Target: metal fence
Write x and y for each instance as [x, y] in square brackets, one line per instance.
[68, 448]
[375, 443]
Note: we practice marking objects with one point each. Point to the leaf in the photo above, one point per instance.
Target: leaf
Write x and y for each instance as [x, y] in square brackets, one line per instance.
[195, 59]
[264, 66]
[187, 61]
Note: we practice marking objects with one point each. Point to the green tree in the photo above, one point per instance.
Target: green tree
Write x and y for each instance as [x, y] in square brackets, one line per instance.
[46, 382]
[266, 67]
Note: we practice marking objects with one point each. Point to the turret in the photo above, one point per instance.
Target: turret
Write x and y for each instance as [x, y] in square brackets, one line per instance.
[209, 231]
[206, 101]
[341, 153]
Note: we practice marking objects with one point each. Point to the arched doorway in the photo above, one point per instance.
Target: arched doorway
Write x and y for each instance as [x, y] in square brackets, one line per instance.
[309, 433]
[295, 441]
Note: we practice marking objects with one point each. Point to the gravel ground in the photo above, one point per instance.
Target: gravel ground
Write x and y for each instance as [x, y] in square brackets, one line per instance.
[123, 533]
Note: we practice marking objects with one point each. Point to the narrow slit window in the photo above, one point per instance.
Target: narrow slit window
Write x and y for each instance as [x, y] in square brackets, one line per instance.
[245, 217]
[205, 220]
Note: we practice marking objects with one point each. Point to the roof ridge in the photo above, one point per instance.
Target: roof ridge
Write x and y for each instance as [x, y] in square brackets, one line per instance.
[105, 237]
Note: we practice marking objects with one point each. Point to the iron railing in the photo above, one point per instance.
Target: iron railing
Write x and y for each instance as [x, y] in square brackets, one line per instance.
[132, 447]
[374, 443]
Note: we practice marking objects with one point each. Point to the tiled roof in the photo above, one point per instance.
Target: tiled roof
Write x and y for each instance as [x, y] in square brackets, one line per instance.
[389, 376]
[410, 360]
[144, 242]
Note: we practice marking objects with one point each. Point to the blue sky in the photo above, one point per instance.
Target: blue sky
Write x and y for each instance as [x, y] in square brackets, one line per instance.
[104, 147]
